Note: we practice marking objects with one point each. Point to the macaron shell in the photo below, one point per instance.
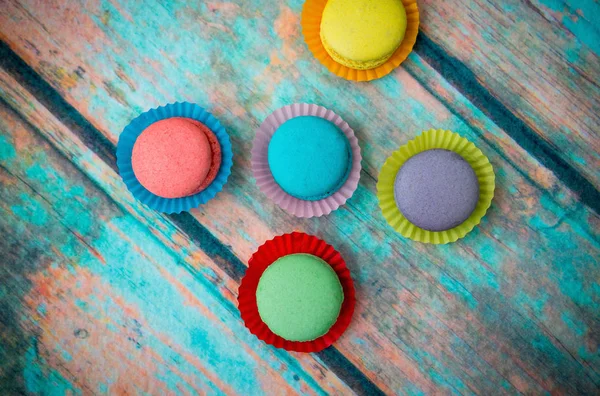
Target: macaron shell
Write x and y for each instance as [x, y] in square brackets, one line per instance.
[309, 157]
[299, 297]
[172, 157]
[436, 190]
[362, 34]
[216, 154]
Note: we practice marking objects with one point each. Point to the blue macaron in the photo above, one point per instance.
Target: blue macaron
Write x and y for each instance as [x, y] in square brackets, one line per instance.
[310, 158]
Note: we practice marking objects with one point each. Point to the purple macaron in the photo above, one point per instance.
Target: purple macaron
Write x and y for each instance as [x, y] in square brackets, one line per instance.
[436, 190]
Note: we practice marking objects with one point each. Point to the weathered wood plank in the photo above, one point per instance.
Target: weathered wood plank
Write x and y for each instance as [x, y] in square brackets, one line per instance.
[198, 265]
[32, 114]
[105, 306]
[524, 330]
[540, 58]
[101, 174]
[552, 87]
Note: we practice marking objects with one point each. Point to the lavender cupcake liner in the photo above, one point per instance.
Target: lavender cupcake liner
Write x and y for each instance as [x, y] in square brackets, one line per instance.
[264, 178]
[136, 127]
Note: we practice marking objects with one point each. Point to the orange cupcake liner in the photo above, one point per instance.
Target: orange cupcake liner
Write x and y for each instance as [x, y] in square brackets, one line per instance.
[311, 28]
[267, 254]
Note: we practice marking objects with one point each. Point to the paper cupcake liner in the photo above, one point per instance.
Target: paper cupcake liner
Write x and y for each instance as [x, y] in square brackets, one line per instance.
[136, 127]
[268, 253]
[311, 28]
[435, 139]
[264, 178]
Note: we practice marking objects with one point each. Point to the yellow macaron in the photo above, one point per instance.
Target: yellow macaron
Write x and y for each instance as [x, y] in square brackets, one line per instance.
[362, 34]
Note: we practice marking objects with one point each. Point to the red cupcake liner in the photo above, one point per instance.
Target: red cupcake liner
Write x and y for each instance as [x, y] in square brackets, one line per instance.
[267, 254]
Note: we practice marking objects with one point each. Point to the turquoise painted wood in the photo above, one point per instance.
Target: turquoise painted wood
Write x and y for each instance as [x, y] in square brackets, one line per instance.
[100, 295]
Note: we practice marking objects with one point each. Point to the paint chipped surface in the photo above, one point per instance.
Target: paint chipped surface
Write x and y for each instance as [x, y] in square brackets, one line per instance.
[510, 309]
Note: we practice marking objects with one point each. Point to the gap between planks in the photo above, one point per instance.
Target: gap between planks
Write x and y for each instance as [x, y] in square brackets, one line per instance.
[196, 232]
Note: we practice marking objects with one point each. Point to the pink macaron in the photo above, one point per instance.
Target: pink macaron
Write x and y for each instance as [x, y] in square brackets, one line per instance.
[176, 157]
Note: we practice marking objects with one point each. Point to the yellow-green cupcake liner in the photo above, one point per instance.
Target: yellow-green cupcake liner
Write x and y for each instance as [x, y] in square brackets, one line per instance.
[435, 139]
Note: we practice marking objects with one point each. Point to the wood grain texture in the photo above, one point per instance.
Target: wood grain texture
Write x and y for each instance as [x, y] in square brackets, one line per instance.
[512, 308]
[540, 58]
[193, 264]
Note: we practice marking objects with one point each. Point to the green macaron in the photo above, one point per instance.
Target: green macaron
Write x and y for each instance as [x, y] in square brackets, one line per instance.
[299, 297]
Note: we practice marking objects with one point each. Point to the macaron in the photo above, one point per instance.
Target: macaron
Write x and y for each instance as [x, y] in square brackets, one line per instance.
[299, 297]
[309, 157]
[176, 157]
[362, 34]
[436, 190]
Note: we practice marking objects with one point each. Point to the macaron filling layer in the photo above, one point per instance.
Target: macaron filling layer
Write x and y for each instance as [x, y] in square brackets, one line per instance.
[176, 157]
[309, 157]
[362, 34]
[436, 190]
[299, 297]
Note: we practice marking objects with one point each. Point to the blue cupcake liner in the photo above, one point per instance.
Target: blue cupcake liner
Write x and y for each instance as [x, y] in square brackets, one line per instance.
[136, 127]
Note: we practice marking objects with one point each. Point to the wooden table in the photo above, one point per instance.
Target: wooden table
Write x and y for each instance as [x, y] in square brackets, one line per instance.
[99, 294]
